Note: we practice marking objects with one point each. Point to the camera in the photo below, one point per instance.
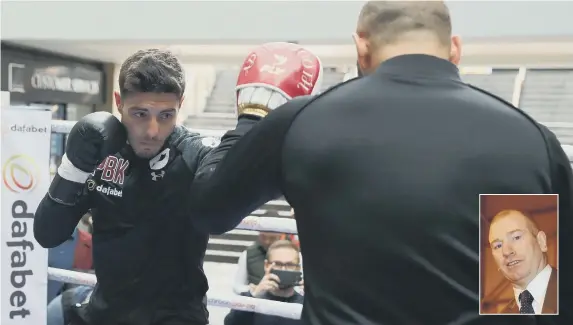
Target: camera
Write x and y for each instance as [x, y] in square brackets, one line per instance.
[288, 279]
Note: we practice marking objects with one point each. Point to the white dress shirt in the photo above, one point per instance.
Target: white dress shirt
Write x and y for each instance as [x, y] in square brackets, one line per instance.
[537, 287]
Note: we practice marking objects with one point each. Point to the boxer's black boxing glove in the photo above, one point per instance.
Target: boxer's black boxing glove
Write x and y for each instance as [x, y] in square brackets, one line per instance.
[92, 139]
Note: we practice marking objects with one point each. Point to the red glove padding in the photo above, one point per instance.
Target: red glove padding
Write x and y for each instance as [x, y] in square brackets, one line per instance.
[274, 73]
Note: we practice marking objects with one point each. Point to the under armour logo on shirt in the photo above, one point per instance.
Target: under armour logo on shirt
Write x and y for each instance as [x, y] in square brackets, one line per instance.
[155, 176]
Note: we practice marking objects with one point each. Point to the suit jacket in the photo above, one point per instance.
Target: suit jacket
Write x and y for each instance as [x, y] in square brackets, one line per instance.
[550, 303]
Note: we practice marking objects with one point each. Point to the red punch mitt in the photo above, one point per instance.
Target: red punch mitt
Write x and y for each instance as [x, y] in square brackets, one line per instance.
[274, 73]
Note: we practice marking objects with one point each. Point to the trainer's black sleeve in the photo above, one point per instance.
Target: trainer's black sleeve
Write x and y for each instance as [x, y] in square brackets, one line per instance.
[54, 223]
[225, 192]
[562, 180]
[212, 156]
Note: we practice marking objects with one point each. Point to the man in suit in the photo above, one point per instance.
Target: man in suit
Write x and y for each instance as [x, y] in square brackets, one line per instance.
[519, 249]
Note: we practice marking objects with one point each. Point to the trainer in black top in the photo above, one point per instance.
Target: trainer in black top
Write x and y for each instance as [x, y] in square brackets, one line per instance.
[384, 173]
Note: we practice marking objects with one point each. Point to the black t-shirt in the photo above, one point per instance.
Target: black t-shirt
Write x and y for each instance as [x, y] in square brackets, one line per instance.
[384, 173]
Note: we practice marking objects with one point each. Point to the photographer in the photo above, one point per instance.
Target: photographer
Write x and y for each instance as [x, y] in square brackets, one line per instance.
[74, 254]
[282, 274]
[251, 264]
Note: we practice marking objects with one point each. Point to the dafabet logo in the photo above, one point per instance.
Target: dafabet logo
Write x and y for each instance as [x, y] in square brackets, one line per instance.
[20, 174]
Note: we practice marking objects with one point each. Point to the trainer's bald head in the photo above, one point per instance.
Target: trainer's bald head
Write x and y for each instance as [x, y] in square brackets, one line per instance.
[391, 28]
[388, 21]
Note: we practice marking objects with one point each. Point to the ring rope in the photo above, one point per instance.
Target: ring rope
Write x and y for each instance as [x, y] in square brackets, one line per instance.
[261, 306]
[270, 224]
[59, 126]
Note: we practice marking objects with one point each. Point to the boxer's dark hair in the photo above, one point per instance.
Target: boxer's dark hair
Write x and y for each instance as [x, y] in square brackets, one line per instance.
[384, 22]
[152, 71]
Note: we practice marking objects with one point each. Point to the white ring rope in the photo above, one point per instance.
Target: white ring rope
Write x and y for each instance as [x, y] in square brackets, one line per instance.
[66, 126]
[261, 306]
[271, 224]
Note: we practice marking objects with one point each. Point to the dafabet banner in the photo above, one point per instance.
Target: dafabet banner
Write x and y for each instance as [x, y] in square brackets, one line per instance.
[25, 180]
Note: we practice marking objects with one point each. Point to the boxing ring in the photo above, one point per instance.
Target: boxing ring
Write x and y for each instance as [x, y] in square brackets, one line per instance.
[25, 133]
[231, 301]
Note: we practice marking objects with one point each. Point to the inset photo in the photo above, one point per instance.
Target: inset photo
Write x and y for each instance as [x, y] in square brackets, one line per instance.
[519, 254]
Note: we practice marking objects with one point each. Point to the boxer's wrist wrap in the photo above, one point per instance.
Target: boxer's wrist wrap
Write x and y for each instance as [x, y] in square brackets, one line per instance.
[64, 191]
[69, 172]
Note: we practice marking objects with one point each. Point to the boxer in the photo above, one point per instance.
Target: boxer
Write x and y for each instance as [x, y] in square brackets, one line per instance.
[135, 176]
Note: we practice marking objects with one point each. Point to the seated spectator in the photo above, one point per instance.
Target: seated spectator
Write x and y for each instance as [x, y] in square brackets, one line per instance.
[61, 257]
[57, 311]
[75, 253]
[250, 267]
[283, 255]
[83, 253]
